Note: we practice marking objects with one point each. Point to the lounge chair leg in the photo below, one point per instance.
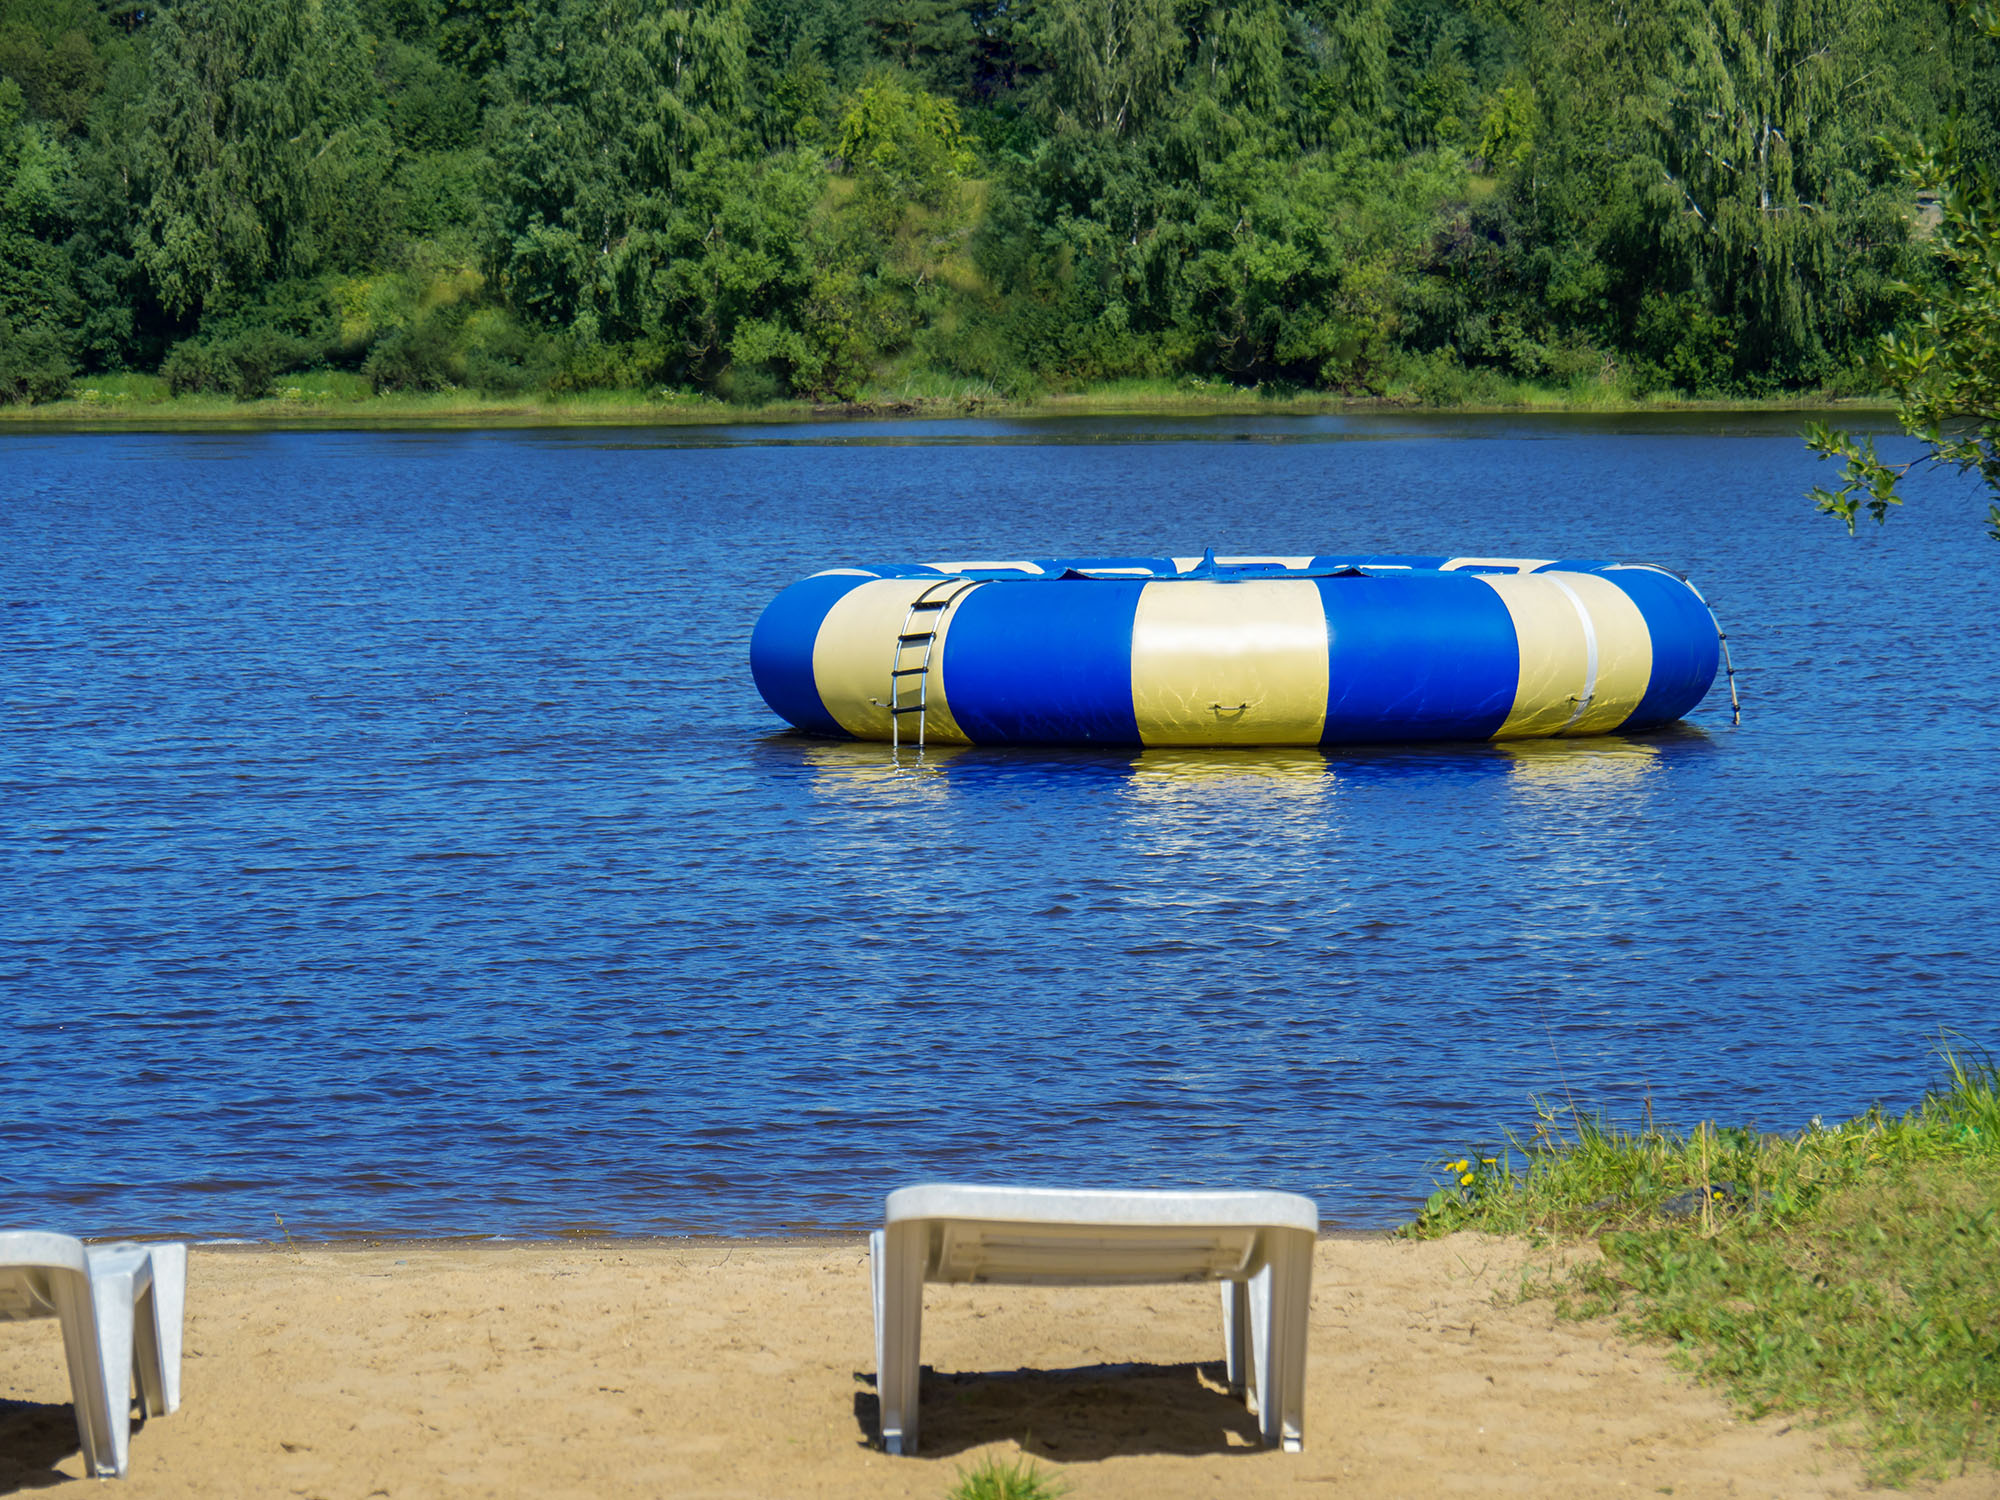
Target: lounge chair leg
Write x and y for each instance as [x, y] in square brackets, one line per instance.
[77, 1314]
[1286, 1284]
[897, 1256]
[97, 1336]
[1236, 1333]
[156, 1335]
[115, 1297]
[1257, 1300]
[170, 1310]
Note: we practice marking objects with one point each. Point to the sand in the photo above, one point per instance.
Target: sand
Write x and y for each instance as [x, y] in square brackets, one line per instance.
[720, 1369]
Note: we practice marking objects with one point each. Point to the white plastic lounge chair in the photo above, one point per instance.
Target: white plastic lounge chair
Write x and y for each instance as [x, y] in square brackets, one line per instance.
[1258, 1245]
[120, 1309]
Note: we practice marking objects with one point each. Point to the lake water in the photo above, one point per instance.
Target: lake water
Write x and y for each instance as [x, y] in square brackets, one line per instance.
[394, 841]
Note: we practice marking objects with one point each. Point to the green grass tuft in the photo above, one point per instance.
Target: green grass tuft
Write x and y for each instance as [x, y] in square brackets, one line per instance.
[1850, 1272]
[1017, 1479]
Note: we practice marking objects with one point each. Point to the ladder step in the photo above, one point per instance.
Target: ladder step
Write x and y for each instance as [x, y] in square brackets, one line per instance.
[934, 603]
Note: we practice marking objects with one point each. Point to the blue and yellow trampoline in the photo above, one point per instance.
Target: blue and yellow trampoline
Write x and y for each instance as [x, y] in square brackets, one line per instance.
[1234, 650]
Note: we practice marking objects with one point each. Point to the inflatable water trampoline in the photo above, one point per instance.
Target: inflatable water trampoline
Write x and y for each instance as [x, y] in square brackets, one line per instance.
[1234, 650]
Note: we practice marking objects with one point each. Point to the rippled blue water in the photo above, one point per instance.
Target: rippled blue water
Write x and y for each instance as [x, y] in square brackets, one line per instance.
[394, 840]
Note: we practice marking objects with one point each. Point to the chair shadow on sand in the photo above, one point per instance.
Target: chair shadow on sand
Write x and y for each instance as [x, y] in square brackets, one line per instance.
[35, 1436]
[1075, 1415]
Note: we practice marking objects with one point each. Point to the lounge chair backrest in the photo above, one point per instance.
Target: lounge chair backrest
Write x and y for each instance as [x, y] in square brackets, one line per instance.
[1069, 1237]
[973, 1251]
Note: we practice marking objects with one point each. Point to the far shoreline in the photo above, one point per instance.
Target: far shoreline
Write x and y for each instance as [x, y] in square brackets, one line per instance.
[294, 410]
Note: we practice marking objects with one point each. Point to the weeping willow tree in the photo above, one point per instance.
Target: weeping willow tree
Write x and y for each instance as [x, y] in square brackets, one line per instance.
[600, 112]
[1339, 54]
[1110, 64]
[265, 152]
[1759, 187]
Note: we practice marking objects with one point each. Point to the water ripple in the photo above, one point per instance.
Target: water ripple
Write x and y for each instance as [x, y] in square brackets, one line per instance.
[395, 842]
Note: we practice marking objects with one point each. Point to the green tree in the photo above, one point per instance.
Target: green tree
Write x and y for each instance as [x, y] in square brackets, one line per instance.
[508, 193]
[35, 364]
[601, 111]
[1944, 367]
[1292, 269]
[837, 33]
[1566, 251]
[759, 294]
[264, 151]
[1240, 59]
[1507, 126]
[429, 105]
[794, 101]
[1758, 128]
[904, 144]
[1110, 64]
[37, 292]
[119, 325]
[56, 50]
[1340, 71]
[933, 40]
[473, 34]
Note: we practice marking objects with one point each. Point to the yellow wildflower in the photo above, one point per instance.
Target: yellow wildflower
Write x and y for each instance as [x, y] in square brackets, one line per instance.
[1466, 1180]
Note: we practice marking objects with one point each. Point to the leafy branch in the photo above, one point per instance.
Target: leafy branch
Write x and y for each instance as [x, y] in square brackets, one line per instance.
[1944, 368]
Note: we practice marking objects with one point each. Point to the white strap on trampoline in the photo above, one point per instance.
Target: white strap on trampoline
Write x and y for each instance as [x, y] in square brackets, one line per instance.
[1589, 651]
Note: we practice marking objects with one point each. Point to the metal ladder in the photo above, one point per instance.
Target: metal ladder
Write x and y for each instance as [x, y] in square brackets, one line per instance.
[920, 629]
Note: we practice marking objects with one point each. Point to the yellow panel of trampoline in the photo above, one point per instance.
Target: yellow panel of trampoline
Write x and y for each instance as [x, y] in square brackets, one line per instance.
[851, 658]
[1230, 663]
[1586, 655]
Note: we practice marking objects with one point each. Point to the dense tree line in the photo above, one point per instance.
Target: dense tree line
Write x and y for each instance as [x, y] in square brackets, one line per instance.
[761, 198]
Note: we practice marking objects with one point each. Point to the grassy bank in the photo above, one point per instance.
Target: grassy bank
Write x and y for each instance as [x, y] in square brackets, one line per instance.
[1850, 1272]
[334, 398]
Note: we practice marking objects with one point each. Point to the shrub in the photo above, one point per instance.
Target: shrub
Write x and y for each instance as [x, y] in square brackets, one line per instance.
[1683, 345]
[194, 367]
[504, 359]
[418, 358]
[590, 365]
[35, 364]
[242, 364]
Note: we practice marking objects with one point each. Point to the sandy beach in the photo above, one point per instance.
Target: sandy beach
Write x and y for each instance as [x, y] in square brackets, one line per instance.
[745, 1369]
